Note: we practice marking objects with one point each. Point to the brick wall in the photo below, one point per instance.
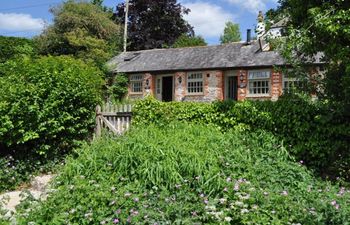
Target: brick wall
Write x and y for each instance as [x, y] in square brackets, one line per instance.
[276, 85]
[242, 84]
[213, 86]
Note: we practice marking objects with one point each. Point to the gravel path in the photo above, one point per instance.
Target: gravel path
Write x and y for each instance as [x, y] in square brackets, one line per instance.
[38, 189]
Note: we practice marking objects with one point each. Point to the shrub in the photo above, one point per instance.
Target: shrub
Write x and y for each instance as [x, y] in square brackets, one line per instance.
[46, 104]
[188, 174]
[119, 86]
[312, 130]
[11, 47]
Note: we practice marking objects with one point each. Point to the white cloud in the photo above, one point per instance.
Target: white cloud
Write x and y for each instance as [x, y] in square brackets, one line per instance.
[253, 6]
[20, 22]
[207, 19]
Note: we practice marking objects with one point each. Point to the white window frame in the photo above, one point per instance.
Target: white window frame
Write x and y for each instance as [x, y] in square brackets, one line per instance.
[197, 89]
[159, 85]
[136, 79]
[265, 76]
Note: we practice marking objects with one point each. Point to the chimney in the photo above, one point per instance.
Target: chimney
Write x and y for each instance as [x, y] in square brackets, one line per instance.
[249, 36]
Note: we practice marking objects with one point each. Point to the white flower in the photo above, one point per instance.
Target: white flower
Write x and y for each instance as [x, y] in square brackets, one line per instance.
[239, 203]
[228, 219]
[246, 196]
[244, 211]
[222, 200]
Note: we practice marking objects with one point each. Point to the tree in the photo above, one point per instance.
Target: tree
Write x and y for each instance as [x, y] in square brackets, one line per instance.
[189, 41]
[11, 47]
[81, 29]
[231, 33]
[321, 26]
[153, 24]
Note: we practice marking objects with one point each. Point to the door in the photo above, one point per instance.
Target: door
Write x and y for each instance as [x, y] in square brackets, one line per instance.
[232, 88]
[167, 89]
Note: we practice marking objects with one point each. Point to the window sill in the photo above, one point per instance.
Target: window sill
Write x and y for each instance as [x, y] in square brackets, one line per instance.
[195, 94]
[136, 93]
[258, 96]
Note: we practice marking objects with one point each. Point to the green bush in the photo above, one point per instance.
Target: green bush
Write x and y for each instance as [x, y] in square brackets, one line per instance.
[312, 130]
[188, 174]
[11, 47]
[46, 104]
[119, 86]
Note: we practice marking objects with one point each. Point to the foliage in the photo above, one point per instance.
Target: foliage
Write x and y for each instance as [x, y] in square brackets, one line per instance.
[10, 47]
[50, 106]
[188, 174]
[321, 26]
[231, 33]
[18, 169]
[189, 41]
[81, 29]
[313, 133]
[145, 32]
[99, 3]
[119, 86]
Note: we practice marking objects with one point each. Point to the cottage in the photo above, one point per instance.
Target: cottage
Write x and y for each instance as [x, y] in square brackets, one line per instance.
[234, 71]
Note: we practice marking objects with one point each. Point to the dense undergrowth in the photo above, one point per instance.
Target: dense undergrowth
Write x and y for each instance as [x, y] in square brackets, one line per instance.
[313, 131]
[46, 109]
[189, 174]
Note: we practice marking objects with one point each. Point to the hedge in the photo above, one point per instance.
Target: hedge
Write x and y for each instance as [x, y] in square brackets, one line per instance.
[312, 130]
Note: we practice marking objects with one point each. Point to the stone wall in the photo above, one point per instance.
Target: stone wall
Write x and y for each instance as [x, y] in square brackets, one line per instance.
[180, 88]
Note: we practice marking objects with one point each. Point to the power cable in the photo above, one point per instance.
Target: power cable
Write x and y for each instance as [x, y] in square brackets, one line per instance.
[28, 6]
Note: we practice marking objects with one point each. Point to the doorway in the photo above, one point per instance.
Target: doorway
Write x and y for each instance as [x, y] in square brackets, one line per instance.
[167, 89]
[232, 88]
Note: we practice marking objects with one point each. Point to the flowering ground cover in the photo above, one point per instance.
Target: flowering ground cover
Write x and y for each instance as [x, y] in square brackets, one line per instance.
[188, 174]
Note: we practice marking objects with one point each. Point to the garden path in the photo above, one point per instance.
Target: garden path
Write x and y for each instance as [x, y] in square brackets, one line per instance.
[38, 189]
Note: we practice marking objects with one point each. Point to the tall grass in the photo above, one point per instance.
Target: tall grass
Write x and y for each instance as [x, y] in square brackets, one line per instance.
[187, 174]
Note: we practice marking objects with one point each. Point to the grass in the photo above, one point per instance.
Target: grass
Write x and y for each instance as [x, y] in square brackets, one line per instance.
[188, 174]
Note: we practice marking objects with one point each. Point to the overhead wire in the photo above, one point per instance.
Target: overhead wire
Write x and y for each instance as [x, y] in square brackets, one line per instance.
[29, 6]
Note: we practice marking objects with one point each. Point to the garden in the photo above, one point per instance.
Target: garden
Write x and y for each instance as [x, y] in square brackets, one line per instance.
[251, 162]
[200, 163]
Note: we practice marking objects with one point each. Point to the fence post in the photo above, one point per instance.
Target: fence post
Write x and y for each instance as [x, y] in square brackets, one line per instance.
[98, 122]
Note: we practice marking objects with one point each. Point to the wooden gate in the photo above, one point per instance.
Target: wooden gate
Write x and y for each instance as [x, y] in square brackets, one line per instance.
[115, 118]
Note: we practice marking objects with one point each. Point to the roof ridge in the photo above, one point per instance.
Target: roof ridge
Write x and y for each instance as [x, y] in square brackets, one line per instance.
[191, 47]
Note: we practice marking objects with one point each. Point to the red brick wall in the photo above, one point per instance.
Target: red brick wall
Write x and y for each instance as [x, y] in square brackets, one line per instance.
[276, 84]
[213, 86]
[242, 85]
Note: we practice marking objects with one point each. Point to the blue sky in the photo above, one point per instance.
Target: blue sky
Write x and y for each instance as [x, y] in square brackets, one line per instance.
[27, 18]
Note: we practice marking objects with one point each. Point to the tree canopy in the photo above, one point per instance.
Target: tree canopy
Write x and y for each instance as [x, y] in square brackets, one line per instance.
[231, 33]
[10, 47]
[154, 24]
[321, 26]
[81, 29]
[189, 41]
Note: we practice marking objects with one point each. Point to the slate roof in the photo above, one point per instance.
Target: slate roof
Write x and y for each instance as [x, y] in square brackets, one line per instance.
[227, 56]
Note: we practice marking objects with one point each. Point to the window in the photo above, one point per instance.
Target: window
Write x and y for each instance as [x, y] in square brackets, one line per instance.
[158, 85]
[136, 83]
[291, 84]
[195, 83]
[259, 82]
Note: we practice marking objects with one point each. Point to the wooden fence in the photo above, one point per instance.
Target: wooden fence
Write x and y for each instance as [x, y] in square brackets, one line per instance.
[115, 118]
